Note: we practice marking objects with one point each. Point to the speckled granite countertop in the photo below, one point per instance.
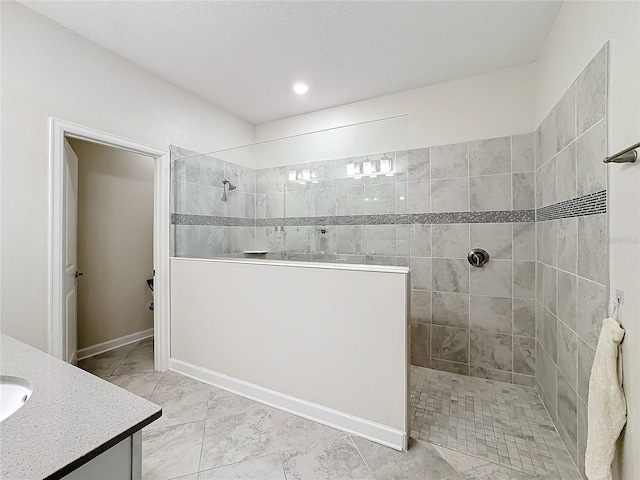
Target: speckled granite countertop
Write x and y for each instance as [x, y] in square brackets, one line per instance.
[71, 417]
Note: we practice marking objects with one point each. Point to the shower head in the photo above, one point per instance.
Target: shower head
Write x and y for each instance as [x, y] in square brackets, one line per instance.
[231, 186]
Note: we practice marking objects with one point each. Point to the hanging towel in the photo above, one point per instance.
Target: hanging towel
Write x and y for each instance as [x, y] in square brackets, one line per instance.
[607, 406]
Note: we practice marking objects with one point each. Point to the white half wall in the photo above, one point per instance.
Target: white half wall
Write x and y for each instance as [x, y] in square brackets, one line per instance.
[328, 342]
[495, 104]
[48, 71]
[580, 30]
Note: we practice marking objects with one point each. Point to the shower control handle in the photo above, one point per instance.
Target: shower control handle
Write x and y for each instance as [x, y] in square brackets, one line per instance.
[478, 257]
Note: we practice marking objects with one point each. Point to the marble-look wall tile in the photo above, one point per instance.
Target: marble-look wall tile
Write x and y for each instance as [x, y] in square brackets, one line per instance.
[379, 199]
[234, 239]
[420, 273]
[298, 239]
[450, 161]
[568, 411]
[548, 143]
[297, 204]
[276, 179]
[450, 309]
[210, 200]
[495, 238]
[450, 275]
[420, 361]
[524, 380]
[450, 240]
[592, 308]
[490, 157]
[420, 240]
[323, 202]
[568, 299]
[420, 306]
[350, 200]
[490, 374]
[350, 239]
[491, 314]
[403, 243]
[495, 278]
[235, 205]
[274, 205]
[261, 181]
[591, 148]
[582, 435]
[546, 183]
[524, 278]
[593, 247]
[451, 367]
[261, 206]
[550, 334]
[324, 243]
[211, 240]
[522, 153]
[450, 195]
[550, 288]
[491, 350]
[586, 354]
[547, 243]
[421, 339]
[524, 241]
[490, 192]
[419, 165]
[380, 240]
[566, 119]
[592, 92]
[566, 181]
[567, 234]
[537, 147]
[523, 190]
[568, 354]
[524, 317]
[546, 373]
[419, 197]
[451, 344]
[275, 240]
[524, 355]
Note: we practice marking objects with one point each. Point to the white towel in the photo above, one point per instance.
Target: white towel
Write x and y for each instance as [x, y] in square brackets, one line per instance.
[607, 406]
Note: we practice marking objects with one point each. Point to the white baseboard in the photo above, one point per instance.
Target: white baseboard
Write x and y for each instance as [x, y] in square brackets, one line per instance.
[375, 432]
[115, 343]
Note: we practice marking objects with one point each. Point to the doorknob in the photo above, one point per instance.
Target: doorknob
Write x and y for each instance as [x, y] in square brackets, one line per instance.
[79, 274]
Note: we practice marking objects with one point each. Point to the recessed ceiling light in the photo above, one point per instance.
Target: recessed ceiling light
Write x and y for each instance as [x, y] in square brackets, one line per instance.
[301, 88]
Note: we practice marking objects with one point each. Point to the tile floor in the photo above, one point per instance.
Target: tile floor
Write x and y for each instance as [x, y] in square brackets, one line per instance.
[463, 429]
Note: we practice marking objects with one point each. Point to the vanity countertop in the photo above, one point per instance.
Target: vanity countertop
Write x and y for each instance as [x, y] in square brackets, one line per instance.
[71, 417]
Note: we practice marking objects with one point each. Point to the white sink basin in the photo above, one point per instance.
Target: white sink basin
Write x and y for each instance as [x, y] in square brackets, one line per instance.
[14, 393]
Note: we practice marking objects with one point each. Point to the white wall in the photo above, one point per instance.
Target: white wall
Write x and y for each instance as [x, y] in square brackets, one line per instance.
[49, 71]
[333, 336]
[578, 33]
[485, 106]
[115, 242]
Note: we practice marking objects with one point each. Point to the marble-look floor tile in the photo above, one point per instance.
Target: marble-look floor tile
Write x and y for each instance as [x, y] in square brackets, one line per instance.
[142, 384]
[222, 404]
[421, 461]
[263, 468]
[136, 362]
[459, 461]
[171, 382]
[105, 364]
[336, 459]
[180, 407]
[493, 472]
[296, 432]
[238, 437]
[171, 452]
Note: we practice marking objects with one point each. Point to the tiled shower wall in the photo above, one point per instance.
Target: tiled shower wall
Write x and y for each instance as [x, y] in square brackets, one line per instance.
[572, 258]
[441, 202]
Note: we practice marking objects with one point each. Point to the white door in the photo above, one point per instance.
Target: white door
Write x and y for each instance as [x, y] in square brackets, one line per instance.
[70, 227]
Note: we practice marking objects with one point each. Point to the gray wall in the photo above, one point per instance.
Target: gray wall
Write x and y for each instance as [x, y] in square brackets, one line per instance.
[572, 258]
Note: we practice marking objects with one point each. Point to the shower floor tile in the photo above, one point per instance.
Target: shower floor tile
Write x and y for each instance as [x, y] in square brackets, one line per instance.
[498, 422]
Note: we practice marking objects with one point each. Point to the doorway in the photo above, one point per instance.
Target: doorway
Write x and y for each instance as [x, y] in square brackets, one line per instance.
[63, 267]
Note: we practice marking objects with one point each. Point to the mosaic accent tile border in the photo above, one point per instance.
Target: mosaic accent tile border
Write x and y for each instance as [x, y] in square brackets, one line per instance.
[499, 216]
[211, 220]
[591, 204]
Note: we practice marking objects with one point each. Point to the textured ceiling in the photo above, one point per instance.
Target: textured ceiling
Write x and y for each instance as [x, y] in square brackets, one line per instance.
[244, 56]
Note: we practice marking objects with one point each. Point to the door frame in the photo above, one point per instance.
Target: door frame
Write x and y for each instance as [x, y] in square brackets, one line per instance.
[59, 129]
